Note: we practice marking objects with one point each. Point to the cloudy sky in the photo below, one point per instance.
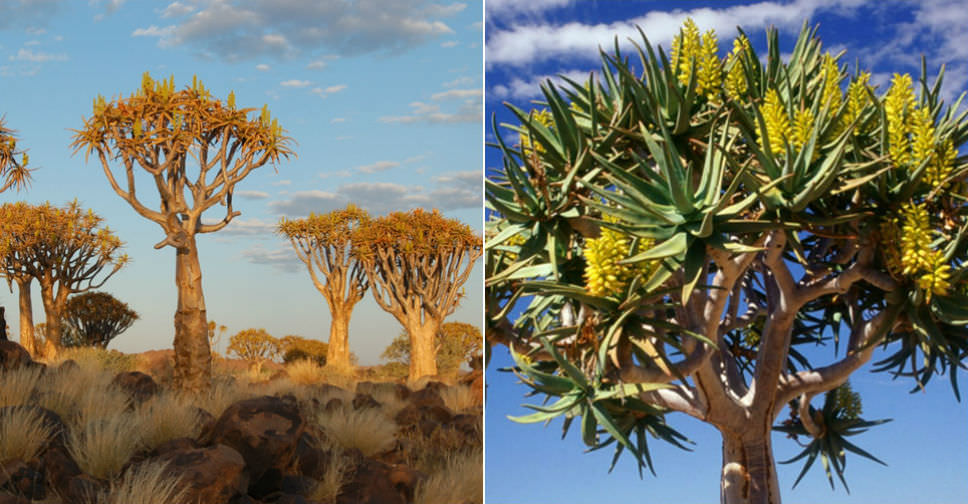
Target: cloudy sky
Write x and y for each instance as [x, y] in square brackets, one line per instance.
[926, 446]
[382, 98]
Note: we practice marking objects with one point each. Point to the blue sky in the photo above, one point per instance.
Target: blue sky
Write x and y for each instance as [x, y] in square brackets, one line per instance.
[926, 446]
[383, 100]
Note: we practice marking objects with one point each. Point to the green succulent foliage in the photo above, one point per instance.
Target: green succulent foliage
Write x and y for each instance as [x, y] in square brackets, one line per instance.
[838, 419]
[697, 176]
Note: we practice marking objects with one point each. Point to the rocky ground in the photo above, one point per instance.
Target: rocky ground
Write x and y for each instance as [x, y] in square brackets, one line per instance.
[272, 442]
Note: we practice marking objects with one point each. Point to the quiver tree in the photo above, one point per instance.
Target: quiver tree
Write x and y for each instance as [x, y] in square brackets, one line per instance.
[14, 172]
[65, 248]
[323, 243]
[670, 240]
[94, 319]
[296, 348]
[417, 262]
[254, 345]
[195, 149]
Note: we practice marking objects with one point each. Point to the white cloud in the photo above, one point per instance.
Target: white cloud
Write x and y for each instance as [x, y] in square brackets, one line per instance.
[383, 197]
[532, 43]
[153, 31]
[506, 7]
[177, 9]
[249, 227]
[252, 194]
[316, 65]
[519, 88]
[283, 258]
[262, 67]
[449, 44]
[460, 81]
[245, 30]
[336, 120]
[37, 57]
[377, 166]
[468, 111]
[324, 92]
[335, 174]
[295, 83]
[282, 182]
[456, 93]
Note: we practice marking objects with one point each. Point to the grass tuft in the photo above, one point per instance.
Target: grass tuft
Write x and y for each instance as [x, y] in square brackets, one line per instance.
[460, 480]
[148, 483]
[18, 385]
[306, 372]
[327, 489]
[22, 434]
[102, 446]
[459, 398]
[368, 430]
[167, 416]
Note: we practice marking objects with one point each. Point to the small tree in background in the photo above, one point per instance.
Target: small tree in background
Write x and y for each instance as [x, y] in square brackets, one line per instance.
[323, 243]
[195, 149]
[65, 249]
[14, 172]
[215, 333]
[671, 241]
[296, 347]
[254, 345]
[456, 343]
[94, 319]
[417, 262]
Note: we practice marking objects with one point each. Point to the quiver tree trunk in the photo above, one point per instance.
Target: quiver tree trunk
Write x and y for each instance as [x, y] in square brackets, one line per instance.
[26, 316]
[423, 355]
[338, 349]
[193, 358]
[54, 311]
[749, 472]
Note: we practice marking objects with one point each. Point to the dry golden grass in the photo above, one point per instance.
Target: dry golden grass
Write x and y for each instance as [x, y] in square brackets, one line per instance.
[306, 372]
[167, 416]
[149, 483]
[368, 430]
[341, 377]
[461, 479]
[389, 402]
[103, 445]
[459, 398]
[82, 394]
[18, 385]
[223, 392]
[337, 473]
[22, 434]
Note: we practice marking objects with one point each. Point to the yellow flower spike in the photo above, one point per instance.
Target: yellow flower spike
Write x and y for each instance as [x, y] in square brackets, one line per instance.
[777, 122]
[736, 85]
[890, 231]
[935, 281]
[898, 103]
[542, 117]
[685, 48]
[709, 79]
[603, 275]
[941, 164]
[923, 137]
[831, 83]
[802, 128]
[915, 238]
[857, 99]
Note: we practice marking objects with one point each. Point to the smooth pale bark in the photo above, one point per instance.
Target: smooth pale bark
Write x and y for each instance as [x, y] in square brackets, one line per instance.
[423, 355]
[193, 357]
[338, 350]
[26, 316]
[54, 310]
[749, 472]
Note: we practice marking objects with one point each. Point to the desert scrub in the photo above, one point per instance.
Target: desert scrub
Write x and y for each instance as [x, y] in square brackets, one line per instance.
[167, 416]
[148, 483]
[223, 392]
[107, 360]
[429, 453]
[368, 430]
[388, 399]
[305, 372]
[22, 433]
[103, 445]
[78, 394]
[17, 385]
[327, 489]
[461, 479]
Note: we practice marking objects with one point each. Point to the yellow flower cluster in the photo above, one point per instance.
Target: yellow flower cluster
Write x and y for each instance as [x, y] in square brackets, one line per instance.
[941, 164]
[831, 83]
[898, 105]
[890, 231]
[848, 401]
[917, 256]
[777, 122]
[736, 85]
[802, 128]
[690, 49]
[542, 117]
[857, 99]
[603, 275]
